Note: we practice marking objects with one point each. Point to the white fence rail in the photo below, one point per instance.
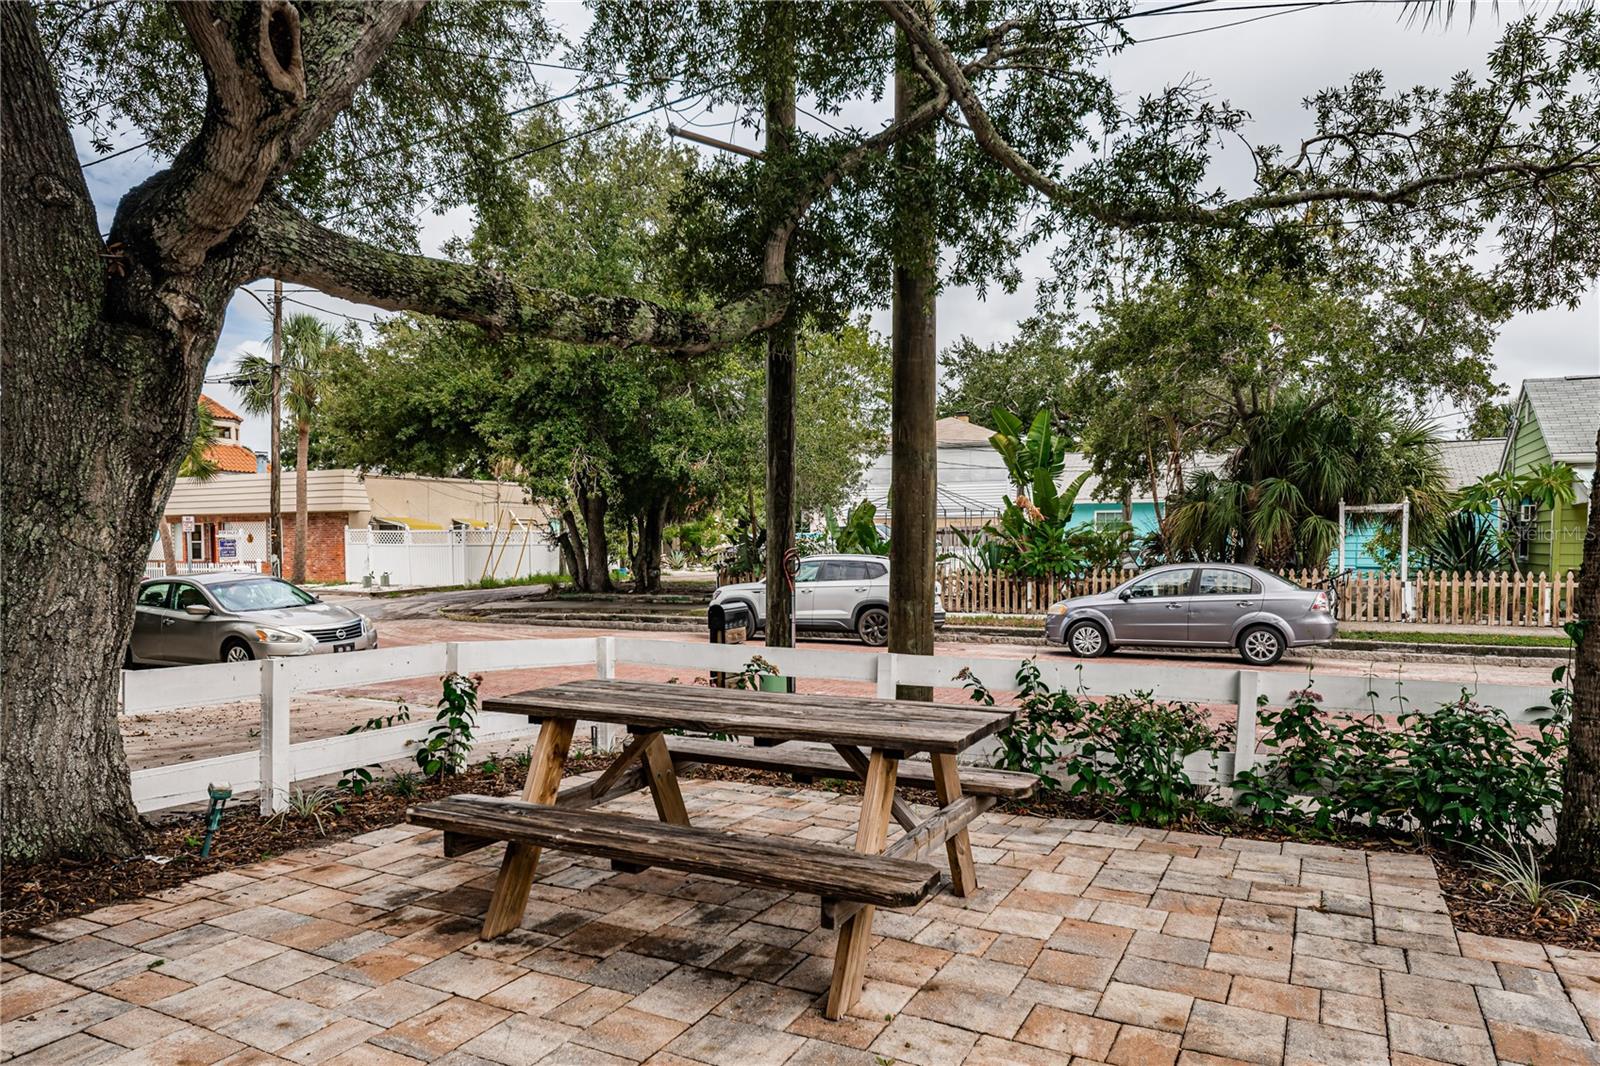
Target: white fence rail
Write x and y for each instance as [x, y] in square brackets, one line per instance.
[436, 557]
[276, 763]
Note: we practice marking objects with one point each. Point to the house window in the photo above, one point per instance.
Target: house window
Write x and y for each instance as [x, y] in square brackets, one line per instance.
[1109, 520]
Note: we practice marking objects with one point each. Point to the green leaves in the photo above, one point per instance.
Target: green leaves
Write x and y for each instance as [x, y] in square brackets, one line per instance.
[1460, 773]
[449, 740]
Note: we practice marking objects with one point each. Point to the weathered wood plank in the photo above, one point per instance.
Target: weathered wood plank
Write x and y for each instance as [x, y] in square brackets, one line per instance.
[811, 760]
[850, 960]
[937, 830]
[859, 765]
[892, 725]
[770, 862]
[958, 848]
[573, 798]
[522, 861]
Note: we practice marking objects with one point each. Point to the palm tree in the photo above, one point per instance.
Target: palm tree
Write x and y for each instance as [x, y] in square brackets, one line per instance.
[310, 347]
[197, 463]
[1276, 496]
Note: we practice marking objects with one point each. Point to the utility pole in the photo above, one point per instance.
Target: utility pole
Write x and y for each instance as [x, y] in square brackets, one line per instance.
[275, 517]
[781, 378]
[913, 456]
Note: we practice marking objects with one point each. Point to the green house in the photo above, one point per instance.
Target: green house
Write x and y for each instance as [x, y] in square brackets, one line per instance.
[1554, 421]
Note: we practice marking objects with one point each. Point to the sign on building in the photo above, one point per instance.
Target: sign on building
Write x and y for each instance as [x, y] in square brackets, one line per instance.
[188, 523]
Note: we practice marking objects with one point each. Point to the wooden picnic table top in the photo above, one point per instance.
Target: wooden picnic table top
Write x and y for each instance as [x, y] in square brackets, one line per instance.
[892, 725]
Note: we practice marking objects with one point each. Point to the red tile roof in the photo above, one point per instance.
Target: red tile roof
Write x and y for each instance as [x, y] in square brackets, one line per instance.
[232, 458]
[219, 411]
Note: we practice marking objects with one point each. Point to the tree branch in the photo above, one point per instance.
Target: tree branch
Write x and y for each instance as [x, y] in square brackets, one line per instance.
[284, 244]
[255, 84]
[954, 76]
[342, 45]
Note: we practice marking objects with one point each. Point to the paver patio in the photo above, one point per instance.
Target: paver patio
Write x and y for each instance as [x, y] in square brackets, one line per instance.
[1087, 943]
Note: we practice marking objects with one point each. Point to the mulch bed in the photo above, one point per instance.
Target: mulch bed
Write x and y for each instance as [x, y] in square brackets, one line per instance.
[39, 894]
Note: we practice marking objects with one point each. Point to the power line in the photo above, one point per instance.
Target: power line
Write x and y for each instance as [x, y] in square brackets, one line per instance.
[113, 155]
[1239, 22]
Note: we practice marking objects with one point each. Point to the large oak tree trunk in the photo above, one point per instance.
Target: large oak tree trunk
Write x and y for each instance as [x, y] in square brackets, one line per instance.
[1577, 852]
[913, 457]
[106, 345]
[95, 416]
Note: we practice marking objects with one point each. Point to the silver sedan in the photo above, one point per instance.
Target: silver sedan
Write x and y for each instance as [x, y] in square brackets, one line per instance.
[1197, 605]
[232, 617]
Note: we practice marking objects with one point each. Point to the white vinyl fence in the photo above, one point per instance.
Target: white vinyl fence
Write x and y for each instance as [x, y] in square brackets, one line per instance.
[275, 764]
[434, 557]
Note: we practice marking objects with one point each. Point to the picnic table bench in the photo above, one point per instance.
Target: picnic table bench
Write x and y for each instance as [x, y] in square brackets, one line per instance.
[817, 736]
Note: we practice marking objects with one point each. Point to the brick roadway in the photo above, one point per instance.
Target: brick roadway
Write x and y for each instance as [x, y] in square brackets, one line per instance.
[159, 739]
[1086, 943]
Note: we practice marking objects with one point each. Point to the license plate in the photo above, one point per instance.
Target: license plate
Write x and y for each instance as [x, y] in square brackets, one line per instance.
[344, 647]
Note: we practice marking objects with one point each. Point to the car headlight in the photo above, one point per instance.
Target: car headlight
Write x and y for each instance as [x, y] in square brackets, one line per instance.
[366, 624]
[273, 635]
[1057, 608]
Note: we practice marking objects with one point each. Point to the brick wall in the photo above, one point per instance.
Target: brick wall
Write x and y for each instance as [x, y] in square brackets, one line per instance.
[324, 548]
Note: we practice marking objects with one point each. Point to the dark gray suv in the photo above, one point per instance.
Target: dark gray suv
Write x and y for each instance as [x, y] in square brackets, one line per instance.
[1197, 605]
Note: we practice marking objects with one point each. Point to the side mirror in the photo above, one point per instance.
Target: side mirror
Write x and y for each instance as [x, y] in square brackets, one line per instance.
[315, 598]
[1124, 595]
[199, 610]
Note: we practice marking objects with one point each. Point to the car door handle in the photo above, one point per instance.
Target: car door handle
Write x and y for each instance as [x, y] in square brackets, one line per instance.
[1176, 606]
[168, 621]
[860, 588]
[1242, 603]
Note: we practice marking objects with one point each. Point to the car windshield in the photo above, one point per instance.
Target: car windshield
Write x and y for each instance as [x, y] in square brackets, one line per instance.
[260, 594]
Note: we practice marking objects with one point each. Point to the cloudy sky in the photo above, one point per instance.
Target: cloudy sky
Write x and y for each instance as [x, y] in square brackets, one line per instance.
[1264, 60]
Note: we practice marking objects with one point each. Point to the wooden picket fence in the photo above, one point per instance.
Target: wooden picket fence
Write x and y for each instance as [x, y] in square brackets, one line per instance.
[1491, 599]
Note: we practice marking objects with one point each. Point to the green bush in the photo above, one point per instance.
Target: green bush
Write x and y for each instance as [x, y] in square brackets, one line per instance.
[1458, 774]
[1127, 749]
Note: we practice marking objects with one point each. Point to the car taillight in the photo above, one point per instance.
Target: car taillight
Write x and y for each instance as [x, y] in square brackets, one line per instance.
[1320, 603]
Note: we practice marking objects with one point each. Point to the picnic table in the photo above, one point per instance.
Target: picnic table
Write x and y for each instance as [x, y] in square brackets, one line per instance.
[816, 735]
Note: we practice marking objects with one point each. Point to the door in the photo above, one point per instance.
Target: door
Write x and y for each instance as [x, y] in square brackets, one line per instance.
[148, 613]
[844, 584]
[191, 639]
[805, 587]
[1156, 609]
[1221, 598]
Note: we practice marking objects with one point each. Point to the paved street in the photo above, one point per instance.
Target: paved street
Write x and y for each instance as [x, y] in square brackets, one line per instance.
[157, 739]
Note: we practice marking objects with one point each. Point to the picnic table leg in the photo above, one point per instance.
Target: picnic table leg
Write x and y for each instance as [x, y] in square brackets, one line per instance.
[850, 961]
[664, 782]
[947, 786]
[522, 860]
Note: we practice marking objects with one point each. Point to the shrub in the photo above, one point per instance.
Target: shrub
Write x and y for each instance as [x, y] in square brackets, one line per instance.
[450, 737]
[1127, 748]
[1457, 774]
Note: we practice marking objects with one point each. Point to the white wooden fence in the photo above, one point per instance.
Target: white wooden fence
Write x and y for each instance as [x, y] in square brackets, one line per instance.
[275, 763]
[438, 557]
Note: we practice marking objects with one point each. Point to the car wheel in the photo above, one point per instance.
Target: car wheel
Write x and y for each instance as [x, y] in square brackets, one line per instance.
[1261, 645]
[872, 626]
[237, 651]
[1088, 640]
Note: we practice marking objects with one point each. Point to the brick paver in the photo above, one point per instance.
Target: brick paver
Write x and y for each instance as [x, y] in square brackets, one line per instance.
[1087, 943]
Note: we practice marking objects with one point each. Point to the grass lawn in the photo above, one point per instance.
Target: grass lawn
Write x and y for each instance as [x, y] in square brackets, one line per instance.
[1515, 640]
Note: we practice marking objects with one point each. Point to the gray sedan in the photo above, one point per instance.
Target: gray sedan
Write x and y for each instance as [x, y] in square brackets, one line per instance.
[232, 617]
[1197, 605]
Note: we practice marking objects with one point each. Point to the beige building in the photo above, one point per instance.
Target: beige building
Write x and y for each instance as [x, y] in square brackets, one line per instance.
[223, 521]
